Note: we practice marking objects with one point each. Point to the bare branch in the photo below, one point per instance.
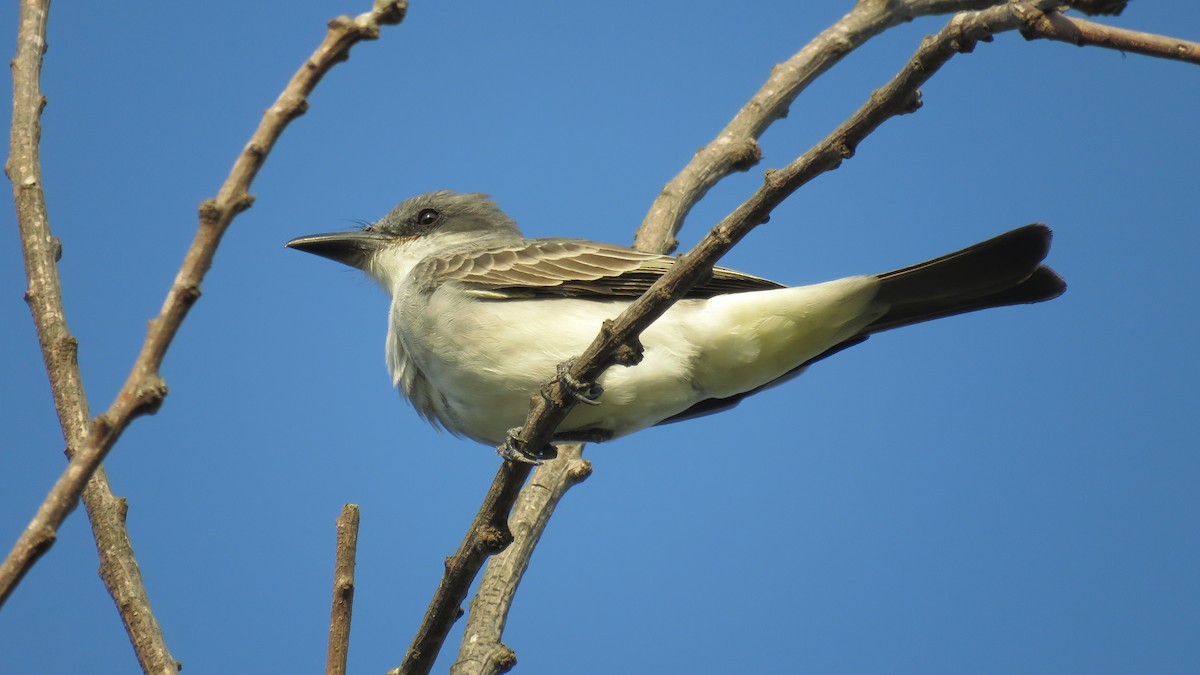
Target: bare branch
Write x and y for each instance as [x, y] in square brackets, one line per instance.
[1083, 33]
[736, 147]
[106, 513]
[343, 591]
[40, 247]
[144, 389]
[481, 650]
[123, 578]
[488, 535]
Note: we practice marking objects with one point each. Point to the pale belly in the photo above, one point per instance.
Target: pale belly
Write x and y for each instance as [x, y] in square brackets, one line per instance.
[480, 361]
[482, 367]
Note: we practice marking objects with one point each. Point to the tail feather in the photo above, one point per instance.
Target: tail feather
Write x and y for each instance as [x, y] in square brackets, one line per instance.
[1004, 270]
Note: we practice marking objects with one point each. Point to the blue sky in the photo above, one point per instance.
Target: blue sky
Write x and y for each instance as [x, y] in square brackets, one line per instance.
[1011, 491]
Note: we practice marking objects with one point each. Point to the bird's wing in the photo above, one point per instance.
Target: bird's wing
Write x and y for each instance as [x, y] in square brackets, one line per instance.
[571, 268]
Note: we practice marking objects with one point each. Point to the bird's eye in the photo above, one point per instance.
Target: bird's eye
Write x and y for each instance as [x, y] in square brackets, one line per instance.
[428, 216]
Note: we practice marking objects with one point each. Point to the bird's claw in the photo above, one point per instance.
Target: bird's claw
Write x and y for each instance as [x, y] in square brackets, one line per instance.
[587, 393]
[514, 449]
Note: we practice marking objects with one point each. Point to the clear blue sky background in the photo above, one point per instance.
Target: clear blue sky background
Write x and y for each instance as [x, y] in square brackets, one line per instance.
[1012, 491]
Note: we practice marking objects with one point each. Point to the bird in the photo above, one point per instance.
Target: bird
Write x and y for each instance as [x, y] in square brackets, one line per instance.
[481, 316]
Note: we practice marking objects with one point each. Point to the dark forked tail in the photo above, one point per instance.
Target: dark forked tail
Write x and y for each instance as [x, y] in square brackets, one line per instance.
[1004, 270]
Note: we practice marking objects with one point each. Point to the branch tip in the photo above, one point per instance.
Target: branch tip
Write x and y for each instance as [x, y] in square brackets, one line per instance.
[579, 471]
[390, 12]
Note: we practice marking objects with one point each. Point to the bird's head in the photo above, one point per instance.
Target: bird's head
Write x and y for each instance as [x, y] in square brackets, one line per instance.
[428, 222]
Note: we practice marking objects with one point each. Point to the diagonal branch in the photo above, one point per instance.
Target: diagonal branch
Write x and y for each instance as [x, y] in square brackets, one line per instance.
[736, 147]
[487, 535]
[1080, 32]
[481, 650]
[144, 389]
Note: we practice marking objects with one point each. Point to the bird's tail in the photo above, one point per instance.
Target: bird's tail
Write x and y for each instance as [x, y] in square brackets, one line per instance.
[1004, 270]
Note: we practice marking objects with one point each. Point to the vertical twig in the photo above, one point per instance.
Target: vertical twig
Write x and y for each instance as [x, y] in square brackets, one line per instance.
[40, 247]
[343, 591]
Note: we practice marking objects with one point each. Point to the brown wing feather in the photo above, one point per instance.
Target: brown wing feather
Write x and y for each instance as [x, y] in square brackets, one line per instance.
[572, 268]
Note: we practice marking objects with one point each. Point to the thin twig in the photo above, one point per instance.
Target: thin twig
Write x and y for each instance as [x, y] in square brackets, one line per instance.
[1084, 33]
[145, 389]
[487, 535]
[123, 578]
[736, 147]
[481, 650]
[343, 591]
[40, 247]
[106, 512]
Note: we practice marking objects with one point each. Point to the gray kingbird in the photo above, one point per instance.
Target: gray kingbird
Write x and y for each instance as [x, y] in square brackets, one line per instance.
[481, 316]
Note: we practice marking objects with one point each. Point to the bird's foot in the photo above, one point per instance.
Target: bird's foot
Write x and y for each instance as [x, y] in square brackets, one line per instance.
[587, 393]
[515, 449]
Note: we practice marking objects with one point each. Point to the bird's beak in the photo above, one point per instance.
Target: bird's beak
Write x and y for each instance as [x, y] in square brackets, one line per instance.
[348, 248]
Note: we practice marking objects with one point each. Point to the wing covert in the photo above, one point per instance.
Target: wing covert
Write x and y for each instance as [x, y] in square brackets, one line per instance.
[570, 268]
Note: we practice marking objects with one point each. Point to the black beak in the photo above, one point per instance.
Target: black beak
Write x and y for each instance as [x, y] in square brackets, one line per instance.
[348, 248]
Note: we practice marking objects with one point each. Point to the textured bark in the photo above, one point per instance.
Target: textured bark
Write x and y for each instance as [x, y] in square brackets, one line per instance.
[343, 591]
